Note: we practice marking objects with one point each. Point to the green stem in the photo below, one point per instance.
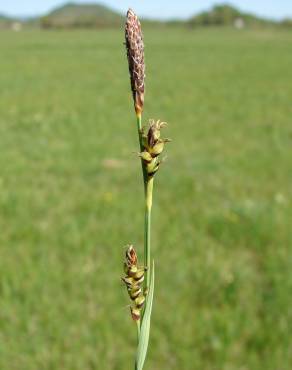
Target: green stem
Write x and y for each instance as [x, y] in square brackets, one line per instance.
[138, 337]
[138, 330]
[139, 126]
[147, 228]
[148, 190]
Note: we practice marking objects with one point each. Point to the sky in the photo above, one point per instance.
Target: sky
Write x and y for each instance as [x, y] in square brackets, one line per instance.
[160, 9]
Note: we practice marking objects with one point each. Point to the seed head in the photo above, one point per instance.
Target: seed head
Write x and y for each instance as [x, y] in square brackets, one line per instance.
[133, 281]
[153, 146]
[135, 54]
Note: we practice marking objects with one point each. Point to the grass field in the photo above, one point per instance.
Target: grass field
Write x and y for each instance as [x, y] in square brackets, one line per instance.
[71, 199]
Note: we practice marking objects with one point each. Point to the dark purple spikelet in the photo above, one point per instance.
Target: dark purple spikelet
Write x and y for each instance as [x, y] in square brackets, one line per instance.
[135, 54]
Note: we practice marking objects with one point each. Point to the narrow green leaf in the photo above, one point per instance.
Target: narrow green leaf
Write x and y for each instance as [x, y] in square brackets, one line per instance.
[145, 327]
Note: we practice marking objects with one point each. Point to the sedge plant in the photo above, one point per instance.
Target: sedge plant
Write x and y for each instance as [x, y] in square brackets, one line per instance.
[139, 279]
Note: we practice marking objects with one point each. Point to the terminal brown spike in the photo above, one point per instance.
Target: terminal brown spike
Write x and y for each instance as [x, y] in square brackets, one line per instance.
[135, 54]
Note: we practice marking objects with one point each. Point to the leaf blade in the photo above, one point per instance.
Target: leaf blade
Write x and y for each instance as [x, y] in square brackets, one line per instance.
[145, 327]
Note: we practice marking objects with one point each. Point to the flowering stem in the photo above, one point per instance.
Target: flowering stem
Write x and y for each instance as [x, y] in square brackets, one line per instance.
[148, 189]
[139, 126]
[138, 330]
[147, 228]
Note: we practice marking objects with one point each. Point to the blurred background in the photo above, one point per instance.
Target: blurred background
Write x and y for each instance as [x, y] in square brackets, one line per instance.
[71, 189]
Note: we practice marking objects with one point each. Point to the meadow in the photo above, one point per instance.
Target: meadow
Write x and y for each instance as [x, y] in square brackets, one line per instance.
[71, 199]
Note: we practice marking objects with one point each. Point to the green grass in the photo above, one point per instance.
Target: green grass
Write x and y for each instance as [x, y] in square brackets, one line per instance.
[71, 198]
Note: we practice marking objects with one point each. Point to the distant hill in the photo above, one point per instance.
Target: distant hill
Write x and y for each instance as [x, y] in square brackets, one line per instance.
[73, 15]
[93, 15]
[226, 15]
[286, 23]
[5, 22]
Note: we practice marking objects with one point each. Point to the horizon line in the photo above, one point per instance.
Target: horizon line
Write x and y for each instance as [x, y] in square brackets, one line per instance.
[150, 18]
